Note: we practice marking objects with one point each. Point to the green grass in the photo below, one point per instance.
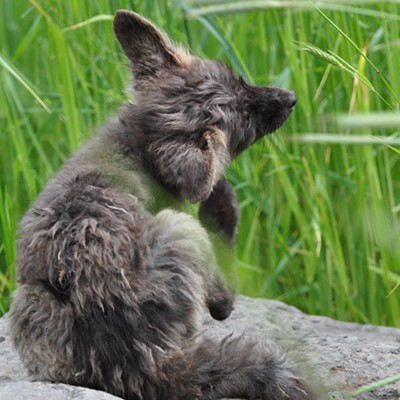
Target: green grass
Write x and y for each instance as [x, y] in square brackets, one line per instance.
[320, 200]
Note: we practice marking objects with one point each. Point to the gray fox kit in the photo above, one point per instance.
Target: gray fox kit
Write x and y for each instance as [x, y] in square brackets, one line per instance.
[113, 277]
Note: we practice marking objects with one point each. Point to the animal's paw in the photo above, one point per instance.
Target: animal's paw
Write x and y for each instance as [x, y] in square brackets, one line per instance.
[220, 303]
[220, 211]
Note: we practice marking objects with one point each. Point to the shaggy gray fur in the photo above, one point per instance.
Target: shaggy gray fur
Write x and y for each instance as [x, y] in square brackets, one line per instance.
[114, 277]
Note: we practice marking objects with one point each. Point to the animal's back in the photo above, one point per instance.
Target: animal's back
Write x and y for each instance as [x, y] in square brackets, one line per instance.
[104, 289]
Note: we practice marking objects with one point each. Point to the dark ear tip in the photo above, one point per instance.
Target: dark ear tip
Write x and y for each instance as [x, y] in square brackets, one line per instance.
[122, 17]
[125, 19]
[122, 13]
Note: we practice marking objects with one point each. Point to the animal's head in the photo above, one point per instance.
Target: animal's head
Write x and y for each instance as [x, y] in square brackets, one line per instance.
[195, 114]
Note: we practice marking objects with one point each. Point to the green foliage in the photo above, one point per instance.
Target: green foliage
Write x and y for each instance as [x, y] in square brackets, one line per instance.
[320, 200]
[373, 386]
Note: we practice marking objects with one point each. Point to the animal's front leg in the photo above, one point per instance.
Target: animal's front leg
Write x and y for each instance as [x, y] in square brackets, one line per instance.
[220, 212]
[183, 257]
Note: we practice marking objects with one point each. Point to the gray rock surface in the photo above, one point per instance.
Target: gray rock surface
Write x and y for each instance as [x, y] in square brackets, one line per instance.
[342, 355]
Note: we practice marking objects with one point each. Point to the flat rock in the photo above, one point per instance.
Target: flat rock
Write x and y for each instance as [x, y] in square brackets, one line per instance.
[335, 356]
[344, 356]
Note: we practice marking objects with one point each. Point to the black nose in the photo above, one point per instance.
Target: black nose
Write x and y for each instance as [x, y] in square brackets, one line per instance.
[291, 99]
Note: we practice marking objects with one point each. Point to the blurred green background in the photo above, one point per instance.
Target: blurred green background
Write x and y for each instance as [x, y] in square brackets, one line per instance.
[320, 199]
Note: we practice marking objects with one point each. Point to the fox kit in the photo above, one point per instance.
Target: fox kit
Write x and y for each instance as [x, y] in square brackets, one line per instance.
[113, 278]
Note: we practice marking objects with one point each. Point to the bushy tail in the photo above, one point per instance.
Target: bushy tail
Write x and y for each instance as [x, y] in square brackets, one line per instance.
[233, 368]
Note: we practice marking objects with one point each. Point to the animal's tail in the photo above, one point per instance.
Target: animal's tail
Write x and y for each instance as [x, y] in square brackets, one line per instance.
[233, 368]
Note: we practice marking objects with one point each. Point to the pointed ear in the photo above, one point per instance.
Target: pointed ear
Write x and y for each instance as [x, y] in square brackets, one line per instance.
[192, 168]
[144, 45]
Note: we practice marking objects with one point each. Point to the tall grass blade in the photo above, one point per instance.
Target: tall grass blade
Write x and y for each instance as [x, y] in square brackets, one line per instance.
[205, 8]
[339, 62]
[97, 18]
[361, 53]
[375, 385]
[370, 120]
[338, 138]
[23, 81]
